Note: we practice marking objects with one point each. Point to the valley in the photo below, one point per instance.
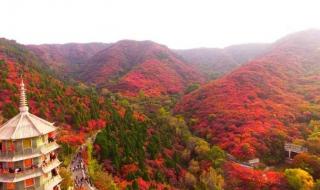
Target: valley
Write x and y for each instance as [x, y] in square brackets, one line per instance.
[175, 119]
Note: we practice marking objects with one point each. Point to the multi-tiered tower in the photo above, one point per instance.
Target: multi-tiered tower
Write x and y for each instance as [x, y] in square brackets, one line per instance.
[27, 152]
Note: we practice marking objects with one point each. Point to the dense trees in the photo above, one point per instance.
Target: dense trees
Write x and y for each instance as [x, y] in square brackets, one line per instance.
[48, 97]
[273, 96]
[309, 163]
[299, 179]
[122, 141]
[158, 150]
[244, 178]
[67, 181]
[143, 146]
[211, 180]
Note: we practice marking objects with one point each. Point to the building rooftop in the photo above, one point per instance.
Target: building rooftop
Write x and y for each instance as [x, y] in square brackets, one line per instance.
[25, 125]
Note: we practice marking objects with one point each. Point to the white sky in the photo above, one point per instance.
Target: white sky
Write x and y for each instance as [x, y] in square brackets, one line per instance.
[175, 23]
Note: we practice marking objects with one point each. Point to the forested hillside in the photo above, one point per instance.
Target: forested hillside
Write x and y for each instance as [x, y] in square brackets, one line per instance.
[216, 62]
[255, 109]
[138, 151]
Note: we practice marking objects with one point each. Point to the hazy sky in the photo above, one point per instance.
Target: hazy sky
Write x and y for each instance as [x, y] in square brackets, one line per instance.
[175, 23]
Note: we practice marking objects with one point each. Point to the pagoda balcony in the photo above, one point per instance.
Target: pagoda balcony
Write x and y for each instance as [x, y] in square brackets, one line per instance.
[47, 148]
[53, 182]
[7, 177]
[9, 156]
[16, 175]
[51, 165]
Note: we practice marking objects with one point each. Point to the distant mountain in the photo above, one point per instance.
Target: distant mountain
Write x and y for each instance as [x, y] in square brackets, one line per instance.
[127, 66]
[66, 57]
[133, 66]
[130, 67]
[215, 62]
[256, 108]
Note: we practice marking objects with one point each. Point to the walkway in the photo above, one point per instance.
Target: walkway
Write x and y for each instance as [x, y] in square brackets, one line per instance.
[78, 168]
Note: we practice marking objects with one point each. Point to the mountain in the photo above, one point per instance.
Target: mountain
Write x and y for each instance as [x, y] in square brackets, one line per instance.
[133, 66]
[215, 62]
[66, 57]
[130, 67]
[129, 151]
[48, 97]
[256, 108]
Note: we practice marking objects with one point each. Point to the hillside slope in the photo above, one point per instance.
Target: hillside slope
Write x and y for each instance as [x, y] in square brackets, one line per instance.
[48, 97]
[66, 57]
[151, 156]
[253, 110]
[133, 66]
[215, 62]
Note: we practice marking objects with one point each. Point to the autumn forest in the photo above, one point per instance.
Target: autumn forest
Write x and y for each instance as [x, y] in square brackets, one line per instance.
[150, 117]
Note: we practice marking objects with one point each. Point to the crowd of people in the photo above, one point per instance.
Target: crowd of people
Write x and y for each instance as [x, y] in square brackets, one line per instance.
[79, 169]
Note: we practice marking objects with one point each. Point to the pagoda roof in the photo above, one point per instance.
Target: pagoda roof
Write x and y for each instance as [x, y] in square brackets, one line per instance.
[25, 125]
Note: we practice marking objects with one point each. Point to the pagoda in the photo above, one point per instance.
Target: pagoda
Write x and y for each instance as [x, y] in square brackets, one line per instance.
[27, 152]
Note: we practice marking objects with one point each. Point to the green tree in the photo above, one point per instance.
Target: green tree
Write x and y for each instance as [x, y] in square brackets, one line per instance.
[211, 180]
[67, 178]
[191, 88]
[299, 179]
[317, 185]
[126, 134]
[9, 110]
[153, 147]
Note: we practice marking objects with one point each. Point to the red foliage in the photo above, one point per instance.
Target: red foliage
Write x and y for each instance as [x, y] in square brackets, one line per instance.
[145, 66]
[243, 178]
[129, 168]
[71, 137]
[242, 109]
[63, 57]
[94, 125]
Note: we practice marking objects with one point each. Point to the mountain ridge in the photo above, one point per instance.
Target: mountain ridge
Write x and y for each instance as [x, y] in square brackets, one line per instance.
[258, 101]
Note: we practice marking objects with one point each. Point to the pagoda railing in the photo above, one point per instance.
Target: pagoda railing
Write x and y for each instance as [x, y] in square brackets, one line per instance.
[29, 152]
[51, 183]
[19, 176]
[14, 153]
[36, 170]
[51, 165]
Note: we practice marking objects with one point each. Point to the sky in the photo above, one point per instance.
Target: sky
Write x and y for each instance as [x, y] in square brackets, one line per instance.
[179, 24]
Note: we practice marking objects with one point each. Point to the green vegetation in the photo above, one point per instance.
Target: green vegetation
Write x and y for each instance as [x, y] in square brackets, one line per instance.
[102, 180]
[299, 179]
[123, 140]
[65, 154]
[191, 88]
[67, 178]
[128, 143]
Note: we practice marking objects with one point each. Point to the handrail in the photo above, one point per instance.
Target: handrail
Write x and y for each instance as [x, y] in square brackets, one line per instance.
[27, 152]
[52, 182]
[29, 171]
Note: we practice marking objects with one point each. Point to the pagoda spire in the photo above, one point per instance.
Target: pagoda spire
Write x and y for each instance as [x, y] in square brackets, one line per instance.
[23, 99]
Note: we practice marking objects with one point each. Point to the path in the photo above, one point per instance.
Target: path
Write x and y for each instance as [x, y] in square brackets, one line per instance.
[79, 169]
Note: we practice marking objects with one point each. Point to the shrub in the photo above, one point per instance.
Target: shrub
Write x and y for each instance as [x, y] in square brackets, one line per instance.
[299, 179]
